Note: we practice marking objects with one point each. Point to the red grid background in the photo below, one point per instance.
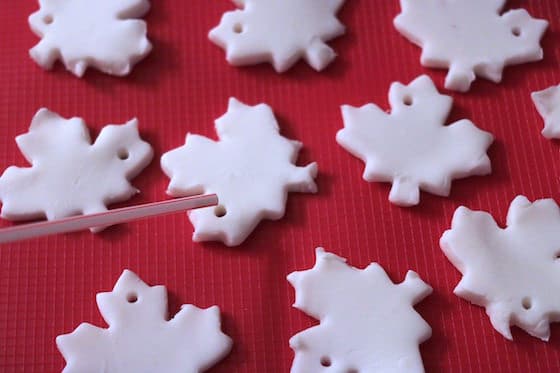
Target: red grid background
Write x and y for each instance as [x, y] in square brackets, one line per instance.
[48, 285]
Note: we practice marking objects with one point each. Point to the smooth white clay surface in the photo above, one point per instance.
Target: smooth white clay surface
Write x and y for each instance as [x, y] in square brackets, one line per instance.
[411, 147]
[141, 337]
[104, 34]
[251, 168]
[368, 323]
[547, 103]
[512, 272]
[470, 37]
[280, 32]
[69, 175]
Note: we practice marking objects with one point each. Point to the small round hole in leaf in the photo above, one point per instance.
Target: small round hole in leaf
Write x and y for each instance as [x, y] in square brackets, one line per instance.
[526, 303]
[407, 100]
[48, 19]
[326, 361]
[123, 154]
[220, 211]
[516, 31]
[238, 28]
[132, 297]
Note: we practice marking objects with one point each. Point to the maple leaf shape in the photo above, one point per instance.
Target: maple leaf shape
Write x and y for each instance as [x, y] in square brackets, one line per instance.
[547, 103]
[141, 338]
[66, 170]
[251, 169]
[470, 37]
[411, 147]
[100, 33]
[280, 32]
[368, 324]
[512, 272]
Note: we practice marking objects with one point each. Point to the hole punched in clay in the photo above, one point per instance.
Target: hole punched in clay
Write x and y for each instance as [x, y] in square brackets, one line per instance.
[132, 297]
[526, 303]
[516, 31]
[48, 19]
[238, 28]
[220, 211]
[123, 154]
[407, 100]
[326, 361]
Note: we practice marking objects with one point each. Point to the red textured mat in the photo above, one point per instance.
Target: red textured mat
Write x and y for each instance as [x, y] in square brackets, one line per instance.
[48, 286]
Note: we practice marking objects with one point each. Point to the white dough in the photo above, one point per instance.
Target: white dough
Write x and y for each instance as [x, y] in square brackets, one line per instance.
[141, 338]
[69, 175]
[410, 147]
[513, 272]
[251, 169]
[470, 37]
[547, 103]
[99, 33]
[368, 324]
[280, 32]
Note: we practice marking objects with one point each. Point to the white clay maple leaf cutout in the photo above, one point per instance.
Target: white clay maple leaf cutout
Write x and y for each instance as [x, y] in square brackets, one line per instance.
[141, 337]
[368, 324]
[547, 103]
[69, 175]
[411, 147]
[280, 32]
[470, 37]
[99, 33]
[514, 272]
[251, 169]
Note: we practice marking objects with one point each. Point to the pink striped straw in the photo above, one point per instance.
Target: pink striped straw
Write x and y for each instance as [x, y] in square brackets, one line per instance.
[104, 219]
